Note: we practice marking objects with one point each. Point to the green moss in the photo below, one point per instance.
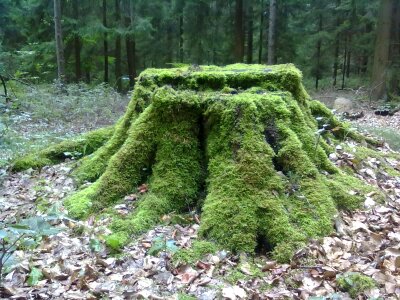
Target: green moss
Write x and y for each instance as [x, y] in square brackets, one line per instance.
[196, 252]
[116, 241]
[354, 283]
[80, 146]
[235, 275]
[79, 204]
[185, 297]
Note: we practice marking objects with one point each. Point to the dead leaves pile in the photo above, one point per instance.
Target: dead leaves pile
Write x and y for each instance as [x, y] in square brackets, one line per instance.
[367, 242]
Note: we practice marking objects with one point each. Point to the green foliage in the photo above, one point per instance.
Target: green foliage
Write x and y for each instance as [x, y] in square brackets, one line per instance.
[25, 234]
[34, 276]
[354, 283]
[161, 244]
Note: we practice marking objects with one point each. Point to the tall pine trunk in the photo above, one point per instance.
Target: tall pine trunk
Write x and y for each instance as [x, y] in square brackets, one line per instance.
[59, 41]
[381, 53]
[272, 33]
[261, 33]
[249, 59]
[239, 32]
[130, 47]
[105, 42]
[337, 48]
[319, 46]
[118, 70]
[181, 36]
[77, 44]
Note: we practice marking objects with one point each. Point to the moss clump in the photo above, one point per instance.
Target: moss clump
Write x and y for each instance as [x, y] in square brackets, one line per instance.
[196, 252]
[77, 147]
[239, 142]
[116, 241]
[354, 283]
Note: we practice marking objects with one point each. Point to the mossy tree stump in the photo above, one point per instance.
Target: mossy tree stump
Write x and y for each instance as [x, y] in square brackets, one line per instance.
[238, 142]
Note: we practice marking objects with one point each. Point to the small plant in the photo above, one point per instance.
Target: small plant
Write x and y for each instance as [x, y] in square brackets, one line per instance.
[354, 283]
[162, 244]
[25, 234]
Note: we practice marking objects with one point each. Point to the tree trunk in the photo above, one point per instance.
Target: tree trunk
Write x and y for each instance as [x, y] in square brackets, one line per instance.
[249, 59]
[381, 53]
[181, 37]
[77, 44]
[272, 33]
[319, 45]
[344, 63]
[59, 41]
[130, 46]
[337, 48]
[348, 63]
[261, 33]
[239, 32]
[118, 69]
[105, 42]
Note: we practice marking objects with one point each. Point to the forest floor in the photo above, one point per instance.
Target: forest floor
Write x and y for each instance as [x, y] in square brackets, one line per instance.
[74, 263]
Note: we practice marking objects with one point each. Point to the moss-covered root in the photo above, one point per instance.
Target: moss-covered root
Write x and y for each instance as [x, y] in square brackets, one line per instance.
[92, 167]
[176, 178]
[80, 146]
[244, 189]
[125, 169]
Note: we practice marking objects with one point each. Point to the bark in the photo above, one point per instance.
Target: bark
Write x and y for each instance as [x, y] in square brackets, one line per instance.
[337, 48]
[59, 41]
[272, 33]
[261, 33]
[181, 37]
[319, 46]
[344, 63]
[249, 59]
[130, 47]
[239, 32]
[381, 53]
[118, 68]
[348, 63]
[77, 44]
[105, 42]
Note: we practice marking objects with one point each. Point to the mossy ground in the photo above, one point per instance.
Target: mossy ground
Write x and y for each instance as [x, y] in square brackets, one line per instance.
[241, 142]
[354, 283]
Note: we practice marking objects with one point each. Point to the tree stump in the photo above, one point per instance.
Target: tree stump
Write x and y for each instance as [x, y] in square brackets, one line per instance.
[243, 144]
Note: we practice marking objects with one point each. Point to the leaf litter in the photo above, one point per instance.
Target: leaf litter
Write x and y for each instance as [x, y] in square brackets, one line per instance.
[74, 263]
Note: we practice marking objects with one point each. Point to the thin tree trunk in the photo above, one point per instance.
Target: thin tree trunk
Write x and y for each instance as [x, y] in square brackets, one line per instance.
[249, 32]
[118, 70]
[105, 42]
[130, 47]
[261, 33]
[337, 48]
[77, 44]
[59, 41]
[348, 64]
[319, 45]
[181, 37]
[272, 33]
[170, 48]
[239, 32]
[381, 53]
[344, 63]
[130, 54]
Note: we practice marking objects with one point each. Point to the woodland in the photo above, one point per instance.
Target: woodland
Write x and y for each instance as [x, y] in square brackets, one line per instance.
[211, 149]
